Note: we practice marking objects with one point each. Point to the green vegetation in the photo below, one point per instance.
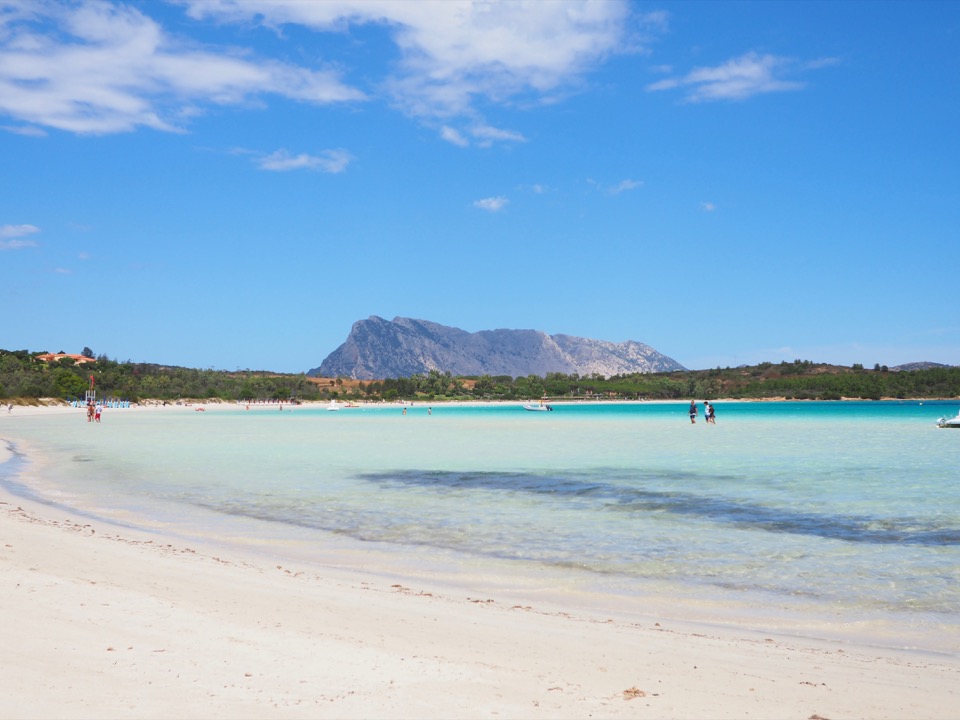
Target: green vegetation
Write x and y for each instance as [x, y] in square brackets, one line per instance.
[799, 380]
[23, 376]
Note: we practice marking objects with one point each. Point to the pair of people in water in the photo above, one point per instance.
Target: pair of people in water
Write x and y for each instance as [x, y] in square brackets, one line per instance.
[708, 412]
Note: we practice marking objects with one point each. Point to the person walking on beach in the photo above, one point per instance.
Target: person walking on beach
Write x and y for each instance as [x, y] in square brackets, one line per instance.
[693, 412]
[90, 411]
[98, 411]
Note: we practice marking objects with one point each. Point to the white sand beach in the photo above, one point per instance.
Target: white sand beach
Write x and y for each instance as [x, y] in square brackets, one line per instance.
[107, 622]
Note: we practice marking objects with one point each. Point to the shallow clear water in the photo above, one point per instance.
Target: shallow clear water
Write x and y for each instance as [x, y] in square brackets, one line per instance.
[846, 515]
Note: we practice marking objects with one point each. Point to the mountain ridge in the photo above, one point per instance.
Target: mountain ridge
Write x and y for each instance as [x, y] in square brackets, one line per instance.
[377, 348]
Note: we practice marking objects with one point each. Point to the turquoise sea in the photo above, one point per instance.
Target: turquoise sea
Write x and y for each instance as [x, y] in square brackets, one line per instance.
[830, 519]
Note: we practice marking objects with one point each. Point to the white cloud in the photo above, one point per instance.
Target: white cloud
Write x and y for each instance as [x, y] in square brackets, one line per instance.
[14, 231]
[707, 206]
[16, 244]
[820, 63]
[103, 68]
[11, 236]
[100, 66]
[453, 52]
[620, 187]
[491, 204]
[625, 185]
[743, 77]
[330, 161]
[25, 130]
[487, 134]
[453, 136]
[484, 135]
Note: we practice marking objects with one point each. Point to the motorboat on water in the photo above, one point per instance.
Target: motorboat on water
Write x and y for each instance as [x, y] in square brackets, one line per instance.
[542, 407]
[334, 405]
[946, 422]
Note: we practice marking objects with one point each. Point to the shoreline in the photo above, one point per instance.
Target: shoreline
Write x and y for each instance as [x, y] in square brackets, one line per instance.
[124, 624]
[48, 404]
[113, 621]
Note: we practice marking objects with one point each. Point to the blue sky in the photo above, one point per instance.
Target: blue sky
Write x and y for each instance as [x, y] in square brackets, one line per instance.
[233, 183]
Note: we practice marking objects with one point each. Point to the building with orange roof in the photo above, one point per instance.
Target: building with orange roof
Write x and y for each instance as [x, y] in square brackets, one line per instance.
[53, 357]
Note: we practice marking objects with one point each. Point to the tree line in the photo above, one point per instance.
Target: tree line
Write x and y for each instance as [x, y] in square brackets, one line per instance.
[24, 376]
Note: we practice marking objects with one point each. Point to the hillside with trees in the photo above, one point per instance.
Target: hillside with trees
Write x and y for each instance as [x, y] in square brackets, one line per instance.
[25, 378]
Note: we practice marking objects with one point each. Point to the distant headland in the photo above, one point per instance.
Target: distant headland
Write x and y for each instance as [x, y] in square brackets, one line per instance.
[404, 347]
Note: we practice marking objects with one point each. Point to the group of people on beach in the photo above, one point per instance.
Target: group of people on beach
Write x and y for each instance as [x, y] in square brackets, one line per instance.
[94, 410]
[709, 414]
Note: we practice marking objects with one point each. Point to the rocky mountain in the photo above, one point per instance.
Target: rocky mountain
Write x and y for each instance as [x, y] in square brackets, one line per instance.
[918, 366]
[378, 348]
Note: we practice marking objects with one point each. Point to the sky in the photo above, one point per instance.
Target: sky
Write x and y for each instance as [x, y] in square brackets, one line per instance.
[231, 184]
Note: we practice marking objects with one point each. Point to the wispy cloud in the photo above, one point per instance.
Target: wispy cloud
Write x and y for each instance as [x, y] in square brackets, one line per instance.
[13, 231]
[743, 77]
[624, 186]
[481, 135]
[453, 136]
[707, 206]
[108, 67]
[97, 67]
[16, 244]
[330, 161]
[11, 236]
[491, 204]
[621, 187]
[486, 135]
[25, 130]
[453, 54]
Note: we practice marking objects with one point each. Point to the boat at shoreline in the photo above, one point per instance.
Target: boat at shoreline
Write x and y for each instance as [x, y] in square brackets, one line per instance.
[946, 422]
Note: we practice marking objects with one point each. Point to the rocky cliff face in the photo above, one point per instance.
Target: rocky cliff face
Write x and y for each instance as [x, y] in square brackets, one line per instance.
[378, 348]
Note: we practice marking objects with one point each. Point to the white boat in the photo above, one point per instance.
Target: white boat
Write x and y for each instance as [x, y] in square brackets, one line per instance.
[334, 405]
[946, 422]
[542, 407]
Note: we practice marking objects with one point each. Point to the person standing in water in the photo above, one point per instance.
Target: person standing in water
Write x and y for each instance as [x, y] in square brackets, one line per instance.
[693, 412]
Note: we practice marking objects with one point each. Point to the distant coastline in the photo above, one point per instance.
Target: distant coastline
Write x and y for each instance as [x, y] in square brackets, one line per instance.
[25, 377]
[34, 405]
